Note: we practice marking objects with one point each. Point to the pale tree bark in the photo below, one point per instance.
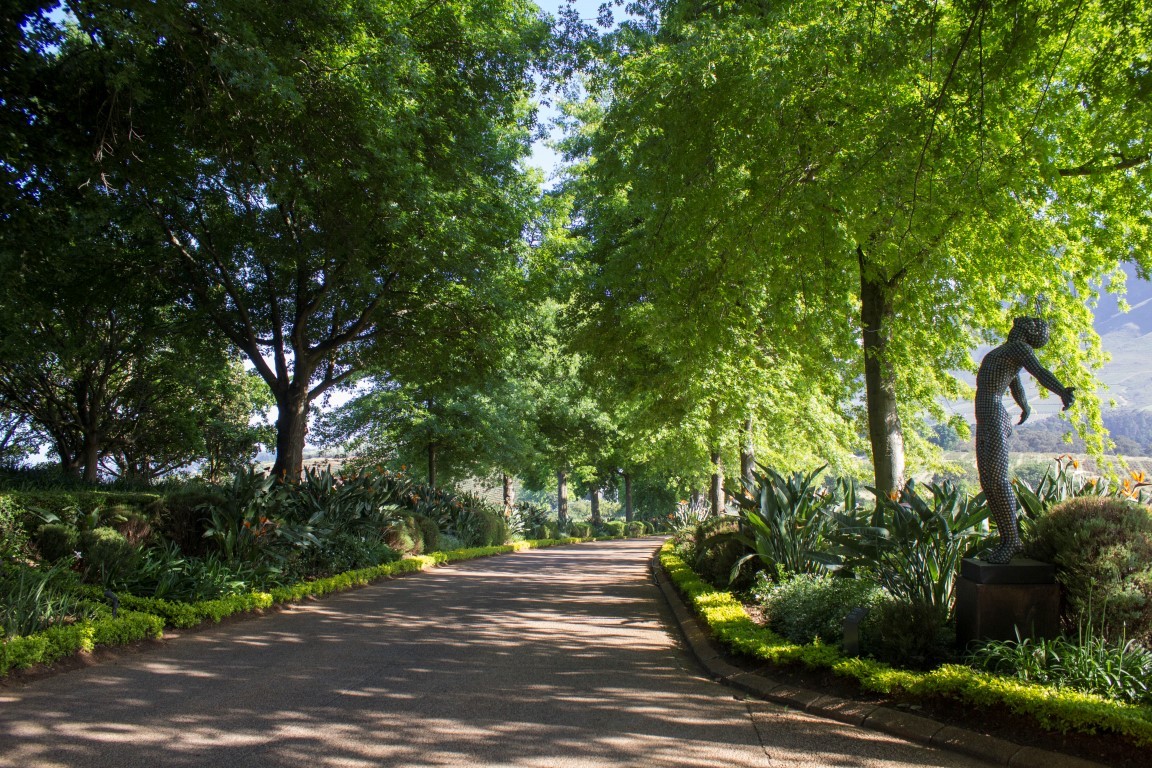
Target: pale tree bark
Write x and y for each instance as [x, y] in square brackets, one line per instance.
[627, 497]
[884, 429]
[509, 494]
[716, 491]
[562, 498]
[748, 453]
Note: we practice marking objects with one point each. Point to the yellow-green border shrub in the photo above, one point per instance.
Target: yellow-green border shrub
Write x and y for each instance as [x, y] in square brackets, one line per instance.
[1054, 708]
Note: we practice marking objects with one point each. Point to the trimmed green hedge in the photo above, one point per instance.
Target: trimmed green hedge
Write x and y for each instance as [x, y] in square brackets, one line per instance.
[1055, 708]
[144, 617]
[57, 642]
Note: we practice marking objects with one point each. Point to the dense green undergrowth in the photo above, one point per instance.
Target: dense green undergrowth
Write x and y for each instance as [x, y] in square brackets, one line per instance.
[141, 618]
[1058, 709]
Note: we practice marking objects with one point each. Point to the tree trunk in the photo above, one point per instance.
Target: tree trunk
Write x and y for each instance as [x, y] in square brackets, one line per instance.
[562, 498]
[696, 498]
[70, 461]
[91, 459]
[509, 495]
[716, 492]
[627, 497]
[595, 501]
[291, 431]
[748, 454]
[432, 463]
[884, 430]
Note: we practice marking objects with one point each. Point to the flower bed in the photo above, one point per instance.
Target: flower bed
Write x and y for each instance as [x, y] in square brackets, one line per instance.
[1054, 708]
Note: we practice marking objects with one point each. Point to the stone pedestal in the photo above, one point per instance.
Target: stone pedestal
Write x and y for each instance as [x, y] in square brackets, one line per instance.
[997, 602]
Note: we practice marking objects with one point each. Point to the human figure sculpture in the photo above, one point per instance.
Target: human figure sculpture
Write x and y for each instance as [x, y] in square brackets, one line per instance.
[1000, 371]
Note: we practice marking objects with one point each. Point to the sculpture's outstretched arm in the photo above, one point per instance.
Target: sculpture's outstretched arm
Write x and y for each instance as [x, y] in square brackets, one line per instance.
[1045, 377]
[1016, 387]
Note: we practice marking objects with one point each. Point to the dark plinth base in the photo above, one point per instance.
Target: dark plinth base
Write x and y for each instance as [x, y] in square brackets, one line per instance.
[999, 602]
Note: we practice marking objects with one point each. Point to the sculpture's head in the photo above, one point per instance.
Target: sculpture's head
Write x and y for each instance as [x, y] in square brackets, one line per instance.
[1031, 330]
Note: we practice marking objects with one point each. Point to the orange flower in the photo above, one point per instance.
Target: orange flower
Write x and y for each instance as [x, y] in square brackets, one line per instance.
[1138, 476]
[894, 495]
[1075, 464]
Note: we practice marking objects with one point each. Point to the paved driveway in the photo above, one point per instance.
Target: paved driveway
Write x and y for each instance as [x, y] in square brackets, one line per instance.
[557, 657]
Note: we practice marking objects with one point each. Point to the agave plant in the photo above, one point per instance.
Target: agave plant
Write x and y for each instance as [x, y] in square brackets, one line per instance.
[912, 545]
[786, 522]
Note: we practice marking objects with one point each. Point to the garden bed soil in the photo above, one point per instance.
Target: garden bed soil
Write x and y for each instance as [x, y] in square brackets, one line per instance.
[1108, 748]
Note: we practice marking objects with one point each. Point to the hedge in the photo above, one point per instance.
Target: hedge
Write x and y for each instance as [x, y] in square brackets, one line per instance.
[144, 617]
[55, 643]
[1058, 709]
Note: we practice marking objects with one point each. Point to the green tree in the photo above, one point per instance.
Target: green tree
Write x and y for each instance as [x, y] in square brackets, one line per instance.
[876, 190]
[331, 180]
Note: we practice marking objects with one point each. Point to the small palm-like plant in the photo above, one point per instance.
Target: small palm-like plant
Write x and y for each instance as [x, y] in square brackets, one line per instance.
[1060, 481]
[912, 545]
[786, 521]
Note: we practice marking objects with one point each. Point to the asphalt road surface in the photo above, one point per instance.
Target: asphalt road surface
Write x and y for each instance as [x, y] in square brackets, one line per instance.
[550, 658]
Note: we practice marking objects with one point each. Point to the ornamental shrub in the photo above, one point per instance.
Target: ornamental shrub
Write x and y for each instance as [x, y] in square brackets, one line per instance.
[913, 635]
[542, 531]
[181, 516]
[614, 528]
[634, 528]
[56, 541]
[717, 552]
[1102, 548]
[14, 543]
[1119, 671]
[107, 554]
[580, 530]
[806, 607]
[429, 532]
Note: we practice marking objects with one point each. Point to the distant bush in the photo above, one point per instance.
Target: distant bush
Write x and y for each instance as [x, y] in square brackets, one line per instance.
[613, 528]
[1102, 548]
[542, 531]
[14, 540]
[181, 516]
[635, 528]
[580, 530]
[429, 532]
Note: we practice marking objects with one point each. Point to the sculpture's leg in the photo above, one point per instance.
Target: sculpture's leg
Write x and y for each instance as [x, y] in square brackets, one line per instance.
[1002, 505]
[992, 465]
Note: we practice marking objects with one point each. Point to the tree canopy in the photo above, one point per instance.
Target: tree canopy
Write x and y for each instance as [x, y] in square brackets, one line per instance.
[845, 188]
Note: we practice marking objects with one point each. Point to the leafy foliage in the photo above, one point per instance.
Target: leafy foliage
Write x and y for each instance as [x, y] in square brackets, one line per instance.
[1120, 671]
[912, 545]
[790, 520]
[1102, 548]
[1056, 709]
[33, 600]
[806, 607]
